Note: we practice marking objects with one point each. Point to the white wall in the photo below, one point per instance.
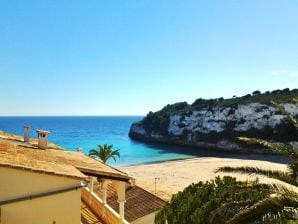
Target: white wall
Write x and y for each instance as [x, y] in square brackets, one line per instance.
[61, 208]
[147, 219]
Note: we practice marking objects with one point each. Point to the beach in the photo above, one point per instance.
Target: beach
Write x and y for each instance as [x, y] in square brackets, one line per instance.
[169, 177]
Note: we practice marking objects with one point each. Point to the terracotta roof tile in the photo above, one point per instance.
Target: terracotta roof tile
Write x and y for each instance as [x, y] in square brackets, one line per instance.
[18, 154]
[139, 202]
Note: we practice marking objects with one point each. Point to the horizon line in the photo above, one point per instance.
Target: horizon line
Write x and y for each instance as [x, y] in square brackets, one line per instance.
[48, 115]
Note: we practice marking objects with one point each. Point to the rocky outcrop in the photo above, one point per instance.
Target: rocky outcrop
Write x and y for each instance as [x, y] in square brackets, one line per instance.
[219, 127]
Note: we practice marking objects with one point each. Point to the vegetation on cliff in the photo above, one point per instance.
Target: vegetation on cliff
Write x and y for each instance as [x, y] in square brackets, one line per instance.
[214, 201]
[229, 201]
[279, 96]
[158, 122]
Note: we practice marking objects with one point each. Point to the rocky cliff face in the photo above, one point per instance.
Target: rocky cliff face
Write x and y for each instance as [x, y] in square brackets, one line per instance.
[219, 127]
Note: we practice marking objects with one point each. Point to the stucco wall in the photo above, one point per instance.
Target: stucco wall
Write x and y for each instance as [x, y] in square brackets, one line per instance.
[54, 209]
[147, 219]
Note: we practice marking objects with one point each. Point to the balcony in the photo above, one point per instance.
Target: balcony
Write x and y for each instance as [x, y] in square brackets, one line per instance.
[88, 216]
[96, 209]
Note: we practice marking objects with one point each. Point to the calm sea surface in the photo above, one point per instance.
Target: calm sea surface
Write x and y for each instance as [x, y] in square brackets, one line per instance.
[88, 132]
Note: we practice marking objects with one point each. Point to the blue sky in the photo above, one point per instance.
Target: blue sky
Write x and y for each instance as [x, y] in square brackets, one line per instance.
[128, 57]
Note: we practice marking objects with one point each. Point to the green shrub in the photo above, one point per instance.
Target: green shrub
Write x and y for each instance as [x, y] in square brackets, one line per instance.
[200, 203]
[158, 122]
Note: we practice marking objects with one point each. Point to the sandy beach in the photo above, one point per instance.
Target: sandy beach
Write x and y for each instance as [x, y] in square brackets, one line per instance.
[174, 176]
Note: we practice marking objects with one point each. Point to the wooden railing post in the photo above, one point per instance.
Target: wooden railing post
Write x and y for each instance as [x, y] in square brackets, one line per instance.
[121, 199]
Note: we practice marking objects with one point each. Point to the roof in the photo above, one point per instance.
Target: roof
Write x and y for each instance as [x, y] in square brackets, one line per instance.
[88, 216]
[20, 140]
[15, 153]
[139, 202]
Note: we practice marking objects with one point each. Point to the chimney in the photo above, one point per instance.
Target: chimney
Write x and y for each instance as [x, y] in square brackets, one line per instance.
[132, 182]
[26, 133]
[79, 150]
[42, 139]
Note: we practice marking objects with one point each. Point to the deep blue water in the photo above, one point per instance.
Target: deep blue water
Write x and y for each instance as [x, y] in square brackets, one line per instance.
[87, 132]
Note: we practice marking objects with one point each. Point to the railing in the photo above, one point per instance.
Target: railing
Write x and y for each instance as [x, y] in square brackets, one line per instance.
[103, 210]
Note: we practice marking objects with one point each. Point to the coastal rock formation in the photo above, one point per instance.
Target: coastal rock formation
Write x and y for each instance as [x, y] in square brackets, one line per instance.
[217, 126]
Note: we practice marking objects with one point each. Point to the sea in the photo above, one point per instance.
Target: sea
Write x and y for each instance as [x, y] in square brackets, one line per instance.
[87, 132]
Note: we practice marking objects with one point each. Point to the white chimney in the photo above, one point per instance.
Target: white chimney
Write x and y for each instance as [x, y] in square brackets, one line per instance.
[26, 133]
[42, 139]
[132, 182]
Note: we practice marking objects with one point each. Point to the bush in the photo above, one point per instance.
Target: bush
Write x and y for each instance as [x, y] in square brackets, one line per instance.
[159, 121]
[199, 203]
[257, 92]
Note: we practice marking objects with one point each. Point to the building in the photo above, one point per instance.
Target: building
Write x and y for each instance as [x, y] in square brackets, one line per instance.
[140, 206]
[42, 183]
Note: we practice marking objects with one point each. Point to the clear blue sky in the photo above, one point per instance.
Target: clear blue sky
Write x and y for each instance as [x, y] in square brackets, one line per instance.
[127, 57]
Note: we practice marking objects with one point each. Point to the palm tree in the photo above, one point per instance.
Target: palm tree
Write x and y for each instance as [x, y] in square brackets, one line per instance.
[282, 205]
[227, 201]
[105, 152]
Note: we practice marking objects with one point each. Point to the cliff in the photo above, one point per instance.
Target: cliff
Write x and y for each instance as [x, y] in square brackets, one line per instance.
[217, 123]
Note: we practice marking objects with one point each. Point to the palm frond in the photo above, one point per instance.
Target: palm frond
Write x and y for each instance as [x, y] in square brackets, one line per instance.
[293, 170]
[109, 146]
[223, 208]
[116, 153]
[105, 152]
[291, 191]
[277, 204]
[279, 175]
[283, 149]
[93, 152]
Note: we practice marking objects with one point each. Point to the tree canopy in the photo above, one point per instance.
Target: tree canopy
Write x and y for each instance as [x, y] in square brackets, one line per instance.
[225, 200]
[105, 152]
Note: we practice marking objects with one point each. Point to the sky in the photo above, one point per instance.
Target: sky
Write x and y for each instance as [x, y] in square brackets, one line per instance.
[129, 57]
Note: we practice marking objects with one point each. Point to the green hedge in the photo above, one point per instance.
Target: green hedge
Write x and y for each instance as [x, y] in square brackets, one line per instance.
[199, 203]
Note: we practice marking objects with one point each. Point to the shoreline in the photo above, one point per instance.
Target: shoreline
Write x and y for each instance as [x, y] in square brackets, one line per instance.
[240, 149]
[153, 162]
[166, 178]
[228, 155]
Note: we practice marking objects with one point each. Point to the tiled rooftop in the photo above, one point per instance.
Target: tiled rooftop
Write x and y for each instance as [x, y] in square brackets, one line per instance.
[54, 160]
[139, 202]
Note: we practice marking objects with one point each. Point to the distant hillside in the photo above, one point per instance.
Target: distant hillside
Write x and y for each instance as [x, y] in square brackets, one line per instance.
[215, 123]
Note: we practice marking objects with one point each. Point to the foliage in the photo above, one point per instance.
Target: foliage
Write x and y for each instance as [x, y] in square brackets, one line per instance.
[257, 92]
[104, 152]
[283, 204]
[159, 121]
[211, 202]
[279, 175]
[279, 96]
[225, 200]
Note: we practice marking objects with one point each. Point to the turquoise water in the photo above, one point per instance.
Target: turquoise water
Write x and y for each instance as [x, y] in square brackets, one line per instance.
[88, 132]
